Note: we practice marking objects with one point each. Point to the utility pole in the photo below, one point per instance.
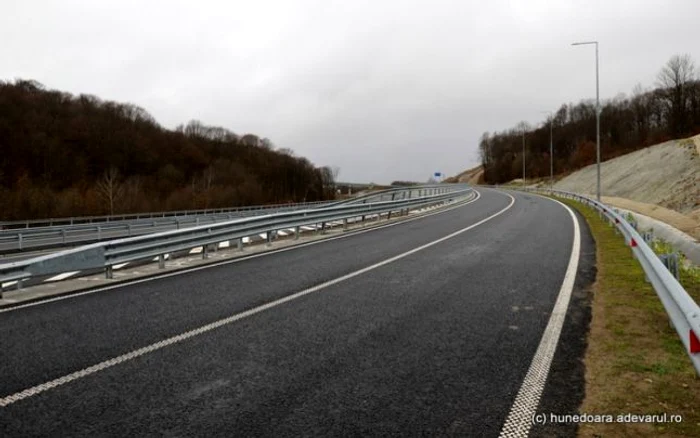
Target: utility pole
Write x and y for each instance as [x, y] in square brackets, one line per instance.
[523, 157]
[597, 113]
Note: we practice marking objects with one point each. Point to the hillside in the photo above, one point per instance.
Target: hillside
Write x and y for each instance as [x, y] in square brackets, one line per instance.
[628, 123]
[64, 155]
[472, 176]
[667, 175]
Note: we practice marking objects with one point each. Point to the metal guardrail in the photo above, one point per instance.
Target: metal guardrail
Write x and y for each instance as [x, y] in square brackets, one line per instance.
[42, 238]
[104, 255]
[683, 312]
[50, 222]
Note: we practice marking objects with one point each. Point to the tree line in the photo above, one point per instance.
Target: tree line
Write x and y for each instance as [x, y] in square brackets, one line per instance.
[64, 155]
[670, 110]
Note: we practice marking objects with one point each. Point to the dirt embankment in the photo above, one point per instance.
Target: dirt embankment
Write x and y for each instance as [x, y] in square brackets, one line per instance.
[471, 176]
[661, 181]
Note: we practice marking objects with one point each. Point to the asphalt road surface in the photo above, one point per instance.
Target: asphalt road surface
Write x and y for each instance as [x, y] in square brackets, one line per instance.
[422, 328]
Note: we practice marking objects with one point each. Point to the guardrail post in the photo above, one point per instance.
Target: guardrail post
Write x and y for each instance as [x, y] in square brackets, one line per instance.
[670, 260]
[19, 240]
[63, 235]
[240, 244]
[128, 226]
[20, 284]
[99, 233]
[345, 224]
[205, 252]
[323, 228]
[269, 238]
[296, 232]
[388, 215]
[109, 272]
[161, 261]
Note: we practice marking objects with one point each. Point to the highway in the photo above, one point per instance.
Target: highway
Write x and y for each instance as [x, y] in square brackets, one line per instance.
[427, 327]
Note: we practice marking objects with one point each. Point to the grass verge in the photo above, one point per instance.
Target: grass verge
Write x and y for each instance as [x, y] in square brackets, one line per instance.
[634, 361]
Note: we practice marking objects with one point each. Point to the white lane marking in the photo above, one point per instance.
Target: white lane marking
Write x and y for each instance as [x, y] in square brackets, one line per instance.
[236, 260]
[60, 277]
[43, 387]
[524, 408]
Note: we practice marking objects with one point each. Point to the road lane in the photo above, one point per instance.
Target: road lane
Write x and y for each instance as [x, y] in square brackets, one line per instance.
[438, 341]
[84, 330]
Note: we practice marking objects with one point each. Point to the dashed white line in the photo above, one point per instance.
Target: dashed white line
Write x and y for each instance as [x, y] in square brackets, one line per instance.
[43, 387]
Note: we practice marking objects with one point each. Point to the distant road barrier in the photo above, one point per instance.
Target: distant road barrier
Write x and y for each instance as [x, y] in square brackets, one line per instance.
[104, 255]
[45, 234]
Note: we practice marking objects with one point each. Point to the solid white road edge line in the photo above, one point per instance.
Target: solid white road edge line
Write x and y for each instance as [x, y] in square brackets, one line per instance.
[520, 418]
[236, 260]
[38, 389]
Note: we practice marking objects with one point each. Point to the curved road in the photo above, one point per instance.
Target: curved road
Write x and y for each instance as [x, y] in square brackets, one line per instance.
[423, 328]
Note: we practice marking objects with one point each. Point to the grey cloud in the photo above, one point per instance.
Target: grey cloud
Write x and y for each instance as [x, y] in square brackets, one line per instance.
[385, 90]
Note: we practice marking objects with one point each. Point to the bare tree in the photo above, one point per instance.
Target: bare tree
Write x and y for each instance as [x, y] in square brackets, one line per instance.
[676, 78]
[335, 171]
[110, 188]
[207, 178]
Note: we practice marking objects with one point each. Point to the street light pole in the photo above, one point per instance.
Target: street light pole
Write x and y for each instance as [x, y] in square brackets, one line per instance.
[597, 112]
[551, 155]
[551, 150]
[523, 157]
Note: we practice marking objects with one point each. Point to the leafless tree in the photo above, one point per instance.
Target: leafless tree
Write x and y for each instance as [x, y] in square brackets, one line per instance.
[110, 188]
[676, 78]
[207, 180]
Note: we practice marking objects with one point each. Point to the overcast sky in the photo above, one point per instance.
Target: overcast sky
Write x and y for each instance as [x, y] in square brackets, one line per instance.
[385, 90]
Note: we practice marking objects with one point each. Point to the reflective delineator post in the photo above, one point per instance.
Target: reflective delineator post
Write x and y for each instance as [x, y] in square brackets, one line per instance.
[694, 342]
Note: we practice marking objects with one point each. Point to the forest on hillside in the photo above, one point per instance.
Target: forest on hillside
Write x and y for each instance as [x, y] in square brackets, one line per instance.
[63, 155]
[671, 110]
